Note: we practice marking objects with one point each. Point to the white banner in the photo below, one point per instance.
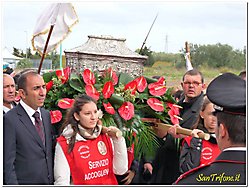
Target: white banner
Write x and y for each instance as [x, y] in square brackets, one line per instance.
[188, 62]
[63, 17]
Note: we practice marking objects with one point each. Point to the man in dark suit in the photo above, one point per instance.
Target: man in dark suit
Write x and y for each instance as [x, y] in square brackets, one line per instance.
[9, 91]
[166, 163]
[28, 156]
[193, 86]
[228, 93]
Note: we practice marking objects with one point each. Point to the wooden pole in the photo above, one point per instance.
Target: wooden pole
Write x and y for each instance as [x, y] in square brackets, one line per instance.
[45, 48]
[187, 49]
[180, 130]
[162, 127]
[147, 34]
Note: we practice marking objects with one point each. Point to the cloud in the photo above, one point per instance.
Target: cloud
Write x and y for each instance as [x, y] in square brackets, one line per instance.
[196, 22]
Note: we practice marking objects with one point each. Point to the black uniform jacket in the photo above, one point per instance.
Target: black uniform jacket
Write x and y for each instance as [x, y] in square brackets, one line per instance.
[190, 111]
[229, 168]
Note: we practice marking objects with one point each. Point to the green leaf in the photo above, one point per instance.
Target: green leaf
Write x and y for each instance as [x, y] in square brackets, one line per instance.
[143, 96]
[116, 100]
[98, 86]
[118, 120]
[150, 80]
[124, 78]
[48, 76]
[76, 83]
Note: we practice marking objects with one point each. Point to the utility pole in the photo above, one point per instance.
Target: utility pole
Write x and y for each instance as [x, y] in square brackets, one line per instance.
[166, 44]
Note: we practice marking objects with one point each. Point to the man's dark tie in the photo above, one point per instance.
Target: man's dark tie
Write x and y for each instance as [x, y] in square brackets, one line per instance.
[39, 126]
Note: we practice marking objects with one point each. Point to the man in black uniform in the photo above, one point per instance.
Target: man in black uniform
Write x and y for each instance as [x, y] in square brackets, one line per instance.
[228, 93]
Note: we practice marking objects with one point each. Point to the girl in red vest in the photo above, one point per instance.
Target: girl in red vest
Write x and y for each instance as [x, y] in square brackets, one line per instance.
[83, 154]
[195, 151]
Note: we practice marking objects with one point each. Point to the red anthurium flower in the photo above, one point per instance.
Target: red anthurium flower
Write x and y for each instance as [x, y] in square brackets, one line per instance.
[158, 90]
[63, 75]
[126, 111]
[131, 86]
[113, 76]
[88, 77]
[174, 108]
[173, 113]
[108, 90]
[65, 103]
[173, 117]
[92, 92]
[109, 108]
[161, 80]
[49, 85]
[56, 116]
[155, 104]
[141, 83]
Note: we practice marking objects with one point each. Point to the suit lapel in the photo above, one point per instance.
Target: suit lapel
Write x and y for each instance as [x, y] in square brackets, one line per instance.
[187, 115]
[46, 122]
[27, 123]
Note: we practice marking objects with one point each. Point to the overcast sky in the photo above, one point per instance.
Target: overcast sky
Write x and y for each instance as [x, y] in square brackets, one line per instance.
[196, 22]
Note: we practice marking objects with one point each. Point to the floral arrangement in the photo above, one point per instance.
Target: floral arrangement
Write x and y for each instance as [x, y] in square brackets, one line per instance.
[124, 101]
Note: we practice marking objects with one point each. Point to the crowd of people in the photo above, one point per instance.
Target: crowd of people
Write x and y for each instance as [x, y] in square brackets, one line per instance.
[84, 154]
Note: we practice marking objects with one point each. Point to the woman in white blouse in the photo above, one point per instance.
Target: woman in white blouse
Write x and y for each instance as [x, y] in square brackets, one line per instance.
[86, 154]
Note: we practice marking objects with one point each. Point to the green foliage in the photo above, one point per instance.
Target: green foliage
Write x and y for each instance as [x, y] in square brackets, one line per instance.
[29, 54]
[145, 139]
[176, 59]
[55, 59]
[147, 52]
[16, 52]
[35, 56]
[134, 130]
[24, 63]
[22, 54]
[58, 91]
[216, 56]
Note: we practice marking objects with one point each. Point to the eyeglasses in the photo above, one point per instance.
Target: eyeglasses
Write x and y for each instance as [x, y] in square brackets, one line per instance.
[196, 84]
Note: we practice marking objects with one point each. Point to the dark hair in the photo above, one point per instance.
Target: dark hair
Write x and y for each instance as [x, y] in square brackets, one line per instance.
[193, 72]
[242, 74]
[22, 80]
[17, 76]
[8, 70]
[236, 126]
[79, 102]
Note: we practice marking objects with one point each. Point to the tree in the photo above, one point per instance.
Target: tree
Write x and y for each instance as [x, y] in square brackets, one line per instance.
[29, 54]
[16, 52]
[216, 56]
[147, 52]
[36, 56]
[24, 63]
[22, 54]
[55, 59]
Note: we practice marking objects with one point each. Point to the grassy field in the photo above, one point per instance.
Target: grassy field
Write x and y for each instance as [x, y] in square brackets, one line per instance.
[173, 76]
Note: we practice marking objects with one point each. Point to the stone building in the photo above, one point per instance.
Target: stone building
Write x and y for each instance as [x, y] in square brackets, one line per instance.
[101, 52]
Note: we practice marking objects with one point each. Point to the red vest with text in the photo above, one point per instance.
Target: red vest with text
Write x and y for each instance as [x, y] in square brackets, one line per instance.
[209, 151]
[91, 161]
